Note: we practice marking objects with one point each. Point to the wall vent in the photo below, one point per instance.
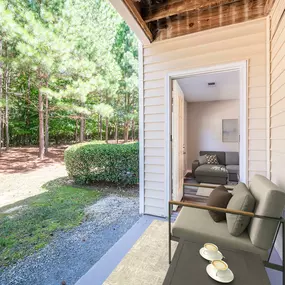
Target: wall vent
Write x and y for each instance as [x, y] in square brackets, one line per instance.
[211, 84]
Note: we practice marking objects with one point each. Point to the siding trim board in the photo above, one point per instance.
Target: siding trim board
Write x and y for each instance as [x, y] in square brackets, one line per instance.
[141, 131]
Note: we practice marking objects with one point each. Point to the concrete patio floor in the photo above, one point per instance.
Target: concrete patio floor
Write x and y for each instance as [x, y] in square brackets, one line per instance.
[104, 267]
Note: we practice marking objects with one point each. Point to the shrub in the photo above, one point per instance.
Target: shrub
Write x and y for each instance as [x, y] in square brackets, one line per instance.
[95, 161]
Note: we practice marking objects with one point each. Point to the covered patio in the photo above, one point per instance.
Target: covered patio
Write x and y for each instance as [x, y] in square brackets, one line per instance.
[122, 264]
[178, 38]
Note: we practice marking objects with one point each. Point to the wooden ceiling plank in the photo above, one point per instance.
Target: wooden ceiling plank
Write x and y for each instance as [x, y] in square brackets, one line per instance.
[212, 18]
[173, 7]
[133, 9]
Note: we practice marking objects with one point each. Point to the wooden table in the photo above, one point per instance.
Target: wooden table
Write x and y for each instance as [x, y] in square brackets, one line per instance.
[189, 268]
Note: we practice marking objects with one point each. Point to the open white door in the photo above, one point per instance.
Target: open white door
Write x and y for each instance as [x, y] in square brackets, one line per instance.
[178, 147]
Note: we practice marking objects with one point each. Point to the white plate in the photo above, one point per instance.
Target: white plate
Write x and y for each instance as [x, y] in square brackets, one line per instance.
[218, 256]
[212, 273]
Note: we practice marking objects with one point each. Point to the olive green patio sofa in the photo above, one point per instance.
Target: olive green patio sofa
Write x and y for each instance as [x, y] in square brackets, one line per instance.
[194, 223]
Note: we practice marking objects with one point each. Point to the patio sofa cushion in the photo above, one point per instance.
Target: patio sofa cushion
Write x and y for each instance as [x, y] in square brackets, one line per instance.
[202, 159]
[234, 169]
[220, 198]
[232, 158]
[242, 200]
[196, 225]
[220, 155]
[270, 200]
[212, 159]
[211, 170]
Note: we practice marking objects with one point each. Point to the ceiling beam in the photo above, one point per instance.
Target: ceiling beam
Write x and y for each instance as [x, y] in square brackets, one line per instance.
[133, 9]
[157, 12]
[268, 6]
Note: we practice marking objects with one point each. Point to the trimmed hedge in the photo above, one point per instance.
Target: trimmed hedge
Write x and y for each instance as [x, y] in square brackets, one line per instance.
[96, 161]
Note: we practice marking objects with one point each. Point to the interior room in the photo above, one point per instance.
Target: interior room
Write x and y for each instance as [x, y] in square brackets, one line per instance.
[205, 122]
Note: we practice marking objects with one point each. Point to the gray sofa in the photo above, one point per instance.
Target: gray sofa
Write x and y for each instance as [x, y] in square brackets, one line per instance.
[227, 169]
[196, 225]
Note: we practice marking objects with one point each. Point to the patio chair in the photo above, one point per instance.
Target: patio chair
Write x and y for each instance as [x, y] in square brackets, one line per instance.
[196, 225]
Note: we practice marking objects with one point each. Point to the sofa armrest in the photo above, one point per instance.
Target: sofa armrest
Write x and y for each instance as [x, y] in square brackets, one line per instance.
[280, 221]
[208, 186]
[195, 165]
[216, 209]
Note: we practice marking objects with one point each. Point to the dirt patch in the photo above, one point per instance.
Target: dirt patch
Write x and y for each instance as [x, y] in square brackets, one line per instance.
[22, 174]
[19, 186]
[25, 159]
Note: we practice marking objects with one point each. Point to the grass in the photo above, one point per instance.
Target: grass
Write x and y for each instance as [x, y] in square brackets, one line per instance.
[32, 227]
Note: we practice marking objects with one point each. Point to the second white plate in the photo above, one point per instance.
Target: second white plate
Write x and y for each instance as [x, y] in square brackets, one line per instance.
[212, 273]
[218, 256]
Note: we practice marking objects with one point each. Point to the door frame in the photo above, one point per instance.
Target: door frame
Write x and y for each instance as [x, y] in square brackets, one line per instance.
[242, 67]
[180, 96]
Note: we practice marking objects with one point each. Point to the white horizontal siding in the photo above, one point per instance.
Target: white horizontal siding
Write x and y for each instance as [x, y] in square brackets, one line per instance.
[257, 124]
[154, 126]
[256, 155]
[257, 92]
[277, 99]
[257, 144]
[245, 41]
[154, 143]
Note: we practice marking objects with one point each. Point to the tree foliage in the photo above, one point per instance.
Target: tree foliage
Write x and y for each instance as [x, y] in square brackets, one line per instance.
[68, 70]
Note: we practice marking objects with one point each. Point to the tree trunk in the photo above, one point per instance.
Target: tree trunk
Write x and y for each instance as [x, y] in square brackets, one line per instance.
[7, 110]
[2, 129]
[1, 91]
[100, 127]
[41, 126]
[46, 126]
[116, 132]
[76, 131]
[133, 130]
[126, 131]
[81, 128]
[107, 130]
[28, 138]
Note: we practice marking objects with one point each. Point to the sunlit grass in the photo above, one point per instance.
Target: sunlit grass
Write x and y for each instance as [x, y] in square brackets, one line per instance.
[29, 229]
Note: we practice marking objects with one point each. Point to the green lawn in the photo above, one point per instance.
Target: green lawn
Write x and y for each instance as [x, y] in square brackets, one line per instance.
[32, 227]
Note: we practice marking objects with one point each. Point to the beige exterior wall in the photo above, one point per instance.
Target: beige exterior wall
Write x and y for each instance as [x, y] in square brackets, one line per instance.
[246, 41]
[277, 98]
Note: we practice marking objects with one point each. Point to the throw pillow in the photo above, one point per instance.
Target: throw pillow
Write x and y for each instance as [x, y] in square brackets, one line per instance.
[219, 198]
[244, 201]
[202, 160]
[212, 159]
[221, 187]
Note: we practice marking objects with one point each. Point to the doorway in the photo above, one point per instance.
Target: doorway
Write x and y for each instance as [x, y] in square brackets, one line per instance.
[176, 125]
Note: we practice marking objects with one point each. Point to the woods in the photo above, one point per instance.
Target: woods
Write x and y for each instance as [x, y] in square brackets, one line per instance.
[68, 73]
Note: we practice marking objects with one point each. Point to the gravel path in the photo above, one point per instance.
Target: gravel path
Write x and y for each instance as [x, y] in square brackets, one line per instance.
[71, 254]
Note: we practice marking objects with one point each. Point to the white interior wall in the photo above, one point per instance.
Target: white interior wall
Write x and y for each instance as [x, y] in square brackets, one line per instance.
[204, 127]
